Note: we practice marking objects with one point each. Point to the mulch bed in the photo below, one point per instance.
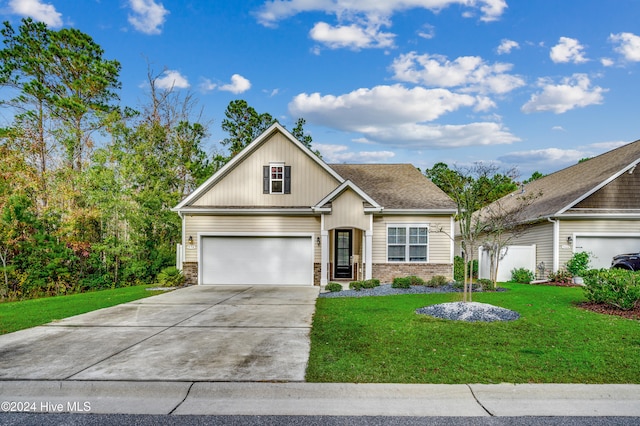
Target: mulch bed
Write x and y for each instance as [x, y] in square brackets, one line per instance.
[610, 310]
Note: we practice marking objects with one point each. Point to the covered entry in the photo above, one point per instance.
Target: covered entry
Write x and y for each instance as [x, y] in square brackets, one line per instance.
[256, 260]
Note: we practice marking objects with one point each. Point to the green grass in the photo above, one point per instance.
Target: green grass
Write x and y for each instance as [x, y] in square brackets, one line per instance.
[383, 340]
[16, 316]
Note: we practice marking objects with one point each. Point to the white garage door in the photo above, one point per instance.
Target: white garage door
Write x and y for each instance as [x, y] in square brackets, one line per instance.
[257, 260]
[604, 248]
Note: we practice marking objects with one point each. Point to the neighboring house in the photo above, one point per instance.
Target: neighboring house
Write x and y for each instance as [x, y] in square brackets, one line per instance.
[277, 214]
[593, 206]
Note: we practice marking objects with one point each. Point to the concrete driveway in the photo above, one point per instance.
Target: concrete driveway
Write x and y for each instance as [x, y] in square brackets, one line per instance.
[221, 333]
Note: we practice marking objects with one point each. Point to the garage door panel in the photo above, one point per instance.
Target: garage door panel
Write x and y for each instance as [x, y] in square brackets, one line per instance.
[257, 260]
[603, 248]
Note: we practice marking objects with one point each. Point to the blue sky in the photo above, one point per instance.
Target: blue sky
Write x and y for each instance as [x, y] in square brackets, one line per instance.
[536, 84]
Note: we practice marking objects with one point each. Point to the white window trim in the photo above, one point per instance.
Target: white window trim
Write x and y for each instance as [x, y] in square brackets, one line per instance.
[271, 180]
[407, 244]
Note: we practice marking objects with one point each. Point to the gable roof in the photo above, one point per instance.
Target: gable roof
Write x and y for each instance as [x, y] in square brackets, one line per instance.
[347, 184]
[562, 190]
[246, 152]
[396, 186]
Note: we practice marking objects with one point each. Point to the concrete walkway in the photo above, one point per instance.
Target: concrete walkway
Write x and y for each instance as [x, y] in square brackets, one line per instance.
[239, 351]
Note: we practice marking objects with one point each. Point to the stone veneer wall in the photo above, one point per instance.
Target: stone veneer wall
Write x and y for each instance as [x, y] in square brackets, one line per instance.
[386, 272]
[190, 272]
[316, 274]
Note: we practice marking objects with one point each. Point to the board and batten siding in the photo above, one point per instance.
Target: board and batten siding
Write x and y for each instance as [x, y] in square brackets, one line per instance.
[280, 225]
[243, 185]
[347, 211]
[439, 244]
[592, 227]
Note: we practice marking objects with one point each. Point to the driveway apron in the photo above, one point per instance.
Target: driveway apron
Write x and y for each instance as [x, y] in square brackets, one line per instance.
[200, 333]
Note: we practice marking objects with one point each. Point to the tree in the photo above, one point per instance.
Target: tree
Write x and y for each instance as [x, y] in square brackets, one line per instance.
[244, 124]
[299, 133]
[471, 188]
[534, 176]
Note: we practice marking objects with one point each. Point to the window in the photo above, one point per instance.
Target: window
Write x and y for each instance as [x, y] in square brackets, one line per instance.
[276, 179]
[407, 243]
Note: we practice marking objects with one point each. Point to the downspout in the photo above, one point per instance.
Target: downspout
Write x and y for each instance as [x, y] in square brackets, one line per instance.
[182, 240]
[556, 247]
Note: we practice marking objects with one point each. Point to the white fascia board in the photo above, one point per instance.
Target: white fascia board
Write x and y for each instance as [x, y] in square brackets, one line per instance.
[252, 211]
[421, 211]
[348, 184]
[629, 168]
[247, 151]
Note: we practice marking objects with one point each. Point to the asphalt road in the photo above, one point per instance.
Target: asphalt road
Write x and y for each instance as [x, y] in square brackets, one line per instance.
[150, 420]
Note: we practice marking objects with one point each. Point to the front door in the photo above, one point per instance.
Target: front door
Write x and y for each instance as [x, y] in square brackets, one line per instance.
[343, 244]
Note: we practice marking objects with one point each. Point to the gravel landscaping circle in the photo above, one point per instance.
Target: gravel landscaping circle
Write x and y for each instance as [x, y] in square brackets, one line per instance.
[470, 311]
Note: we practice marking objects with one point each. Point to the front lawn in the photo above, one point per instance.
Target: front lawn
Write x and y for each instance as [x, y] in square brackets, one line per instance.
[16, 316]
[383, 340]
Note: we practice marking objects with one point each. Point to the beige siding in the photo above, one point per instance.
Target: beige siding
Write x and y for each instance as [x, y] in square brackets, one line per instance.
[347, 211]
[249, 224]
[569, 228]
[439, 231]
[243, 185]
[542, 236]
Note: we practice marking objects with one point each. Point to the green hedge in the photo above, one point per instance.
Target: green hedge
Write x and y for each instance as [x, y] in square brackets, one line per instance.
[614, 287]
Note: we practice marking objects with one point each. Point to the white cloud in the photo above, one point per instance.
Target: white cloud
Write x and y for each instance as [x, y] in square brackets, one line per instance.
[628, 45]
[470, 73]
[381, 105]
[171, 79]
[427, 32]
[207, 85]
[342, 154]
[238, 84]
[148, 16]
[558, 128]
[606, 62]
[544, 157]
[568, 50]
[506, 46]
[396, 115]
[37, 10]
[572, 92]
[352, 36]
[273, 11]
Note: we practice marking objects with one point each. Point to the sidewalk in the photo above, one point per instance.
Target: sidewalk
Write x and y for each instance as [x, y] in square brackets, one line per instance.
[329, 399]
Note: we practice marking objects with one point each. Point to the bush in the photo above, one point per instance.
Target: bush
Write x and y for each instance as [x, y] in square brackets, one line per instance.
[614, 287]
[406, 282]
[522, 276]
[458, 268]
[333, 287]
[437, 281]
[578, 264]
[561, 277]
[485, 284]
[170, 277]
[359, 285]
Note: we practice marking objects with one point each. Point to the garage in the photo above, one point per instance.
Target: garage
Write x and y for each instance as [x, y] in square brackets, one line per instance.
[256, 260]
[603, 248]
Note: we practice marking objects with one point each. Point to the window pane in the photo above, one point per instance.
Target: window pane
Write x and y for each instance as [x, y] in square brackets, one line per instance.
[391, 235]
[418, 253]
[401, 237]
[396, 253]
[276, 186]
[418, 235]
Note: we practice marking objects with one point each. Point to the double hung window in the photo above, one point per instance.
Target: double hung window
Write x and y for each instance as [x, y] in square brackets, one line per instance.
[407, 243]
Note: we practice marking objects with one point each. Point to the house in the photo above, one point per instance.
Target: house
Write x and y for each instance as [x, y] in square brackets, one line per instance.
[592, 206]
[277, 214]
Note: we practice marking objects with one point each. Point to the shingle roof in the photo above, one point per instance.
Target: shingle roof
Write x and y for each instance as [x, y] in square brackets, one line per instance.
[562, 189]
[396, 186]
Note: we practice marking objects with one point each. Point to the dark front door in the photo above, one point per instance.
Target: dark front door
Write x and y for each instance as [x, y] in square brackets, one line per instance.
[343, 253]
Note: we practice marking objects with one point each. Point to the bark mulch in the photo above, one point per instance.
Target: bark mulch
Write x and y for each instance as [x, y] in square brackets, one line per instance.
[610, 310]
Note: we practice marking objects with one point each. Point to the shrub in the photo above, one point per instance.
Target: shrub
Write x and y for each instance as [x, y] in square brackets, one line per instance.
[333, 287]
[614, 287]
[437, 281]
[458, 268]
[356, 285]
[522, 276]
[401, 282]
[485, 284]
[578, 264]
[170, 277]
[561, 277]
[373, 282]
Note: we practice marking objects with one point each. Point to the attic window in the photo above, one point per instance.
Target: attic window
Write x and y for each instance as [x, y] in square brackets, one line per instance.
[276, 179]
